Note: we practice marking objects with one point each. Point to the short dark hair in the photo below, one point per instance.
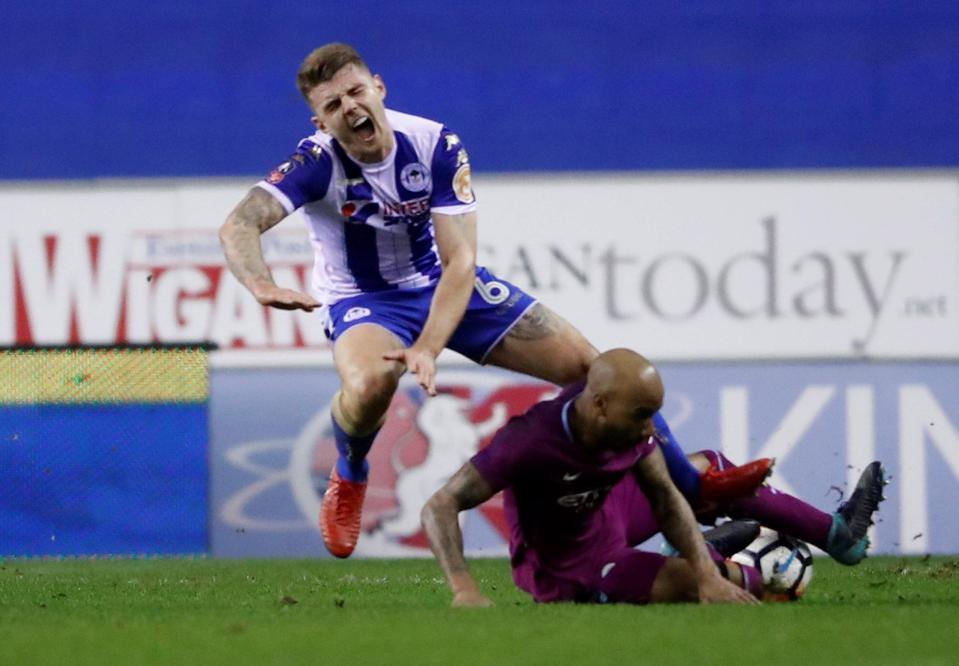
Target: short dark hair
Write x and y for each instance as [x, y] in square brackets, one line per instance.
[323, 64]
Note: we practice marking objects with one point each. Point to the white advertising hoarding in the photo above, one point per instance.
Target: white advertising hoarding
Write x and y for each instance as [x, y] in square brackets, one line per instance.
[738, 267]
[685, 267]
[140, 262]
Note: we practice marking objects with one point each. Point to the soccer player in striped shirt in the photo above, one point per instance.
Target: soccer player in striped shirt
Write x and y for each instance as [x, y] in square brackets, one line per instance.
[389, 207]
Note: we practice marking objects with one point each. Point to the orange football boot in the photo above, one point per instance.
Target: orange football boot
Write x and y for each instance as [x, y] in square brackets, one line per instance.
[340, 514]
[721, 486]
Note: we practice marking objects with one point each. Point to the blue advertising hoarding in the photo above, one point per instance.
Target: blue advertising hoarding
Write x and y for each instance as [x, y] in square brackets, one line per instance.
[103, 452]
[271, 449]
[103, 480]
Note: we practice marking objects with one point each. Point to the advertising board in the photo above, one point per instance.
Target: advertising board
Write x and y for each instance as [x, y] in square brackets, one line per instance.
[272, 447]
[683, 268]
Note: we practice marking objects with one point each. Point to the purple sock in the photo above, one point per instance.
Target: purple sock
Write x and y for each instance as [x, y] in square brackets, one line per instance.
[352, 464]
[752, 578]
[779, 511]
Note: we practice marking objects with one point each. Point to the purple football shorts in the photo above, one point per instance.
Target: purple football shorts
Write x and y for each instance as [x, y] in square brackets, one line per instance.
[618, 573]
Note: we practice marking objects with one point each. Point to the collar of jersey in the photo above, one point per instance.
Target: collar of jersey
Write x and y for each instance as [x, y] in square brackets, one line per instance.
[377, 166]
[565, 414]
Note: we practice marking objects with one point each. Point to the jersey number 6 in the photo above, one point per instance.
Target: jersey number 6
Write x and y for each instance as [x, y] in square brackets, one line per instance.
[492, 292]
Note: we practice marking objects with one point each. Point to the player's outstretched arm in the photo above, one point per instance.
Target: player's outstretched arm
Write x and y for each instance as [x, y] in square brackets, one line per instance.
[678, 524]
[456, 242]
[440, 517]
[240, 238]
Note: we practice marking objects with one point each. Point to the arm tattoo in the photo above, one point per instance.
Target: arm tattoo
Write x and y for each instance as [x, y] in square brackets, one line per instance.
[465, 490]
[470, 496]
[258, 210]
[240, 237]
[673, 514]
[538, 323]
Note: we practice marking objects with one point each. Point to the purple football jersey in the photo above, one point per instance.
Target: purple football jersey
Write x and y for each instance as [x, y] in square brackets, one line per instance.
[555, 489]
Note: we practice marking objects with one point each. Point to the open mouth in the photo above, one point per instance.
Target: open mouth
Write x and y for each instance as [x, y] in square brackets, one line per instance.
[363, 127]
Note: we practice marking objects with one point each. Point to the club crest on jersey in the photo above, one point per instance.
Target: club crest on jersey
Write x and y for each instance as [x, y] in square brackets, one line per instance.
[356, 313]
[415, 177]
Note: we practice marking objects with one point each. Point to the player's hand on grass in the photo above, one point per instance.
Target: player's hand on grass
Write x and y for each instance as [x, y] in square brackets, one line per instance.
[284, 299]
[718, 590]
[421, 362]
[471, 599]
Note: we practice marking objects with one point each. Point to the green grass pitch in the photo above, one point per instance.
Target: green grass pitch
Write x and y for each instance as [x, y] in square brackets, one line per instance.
[885, 611]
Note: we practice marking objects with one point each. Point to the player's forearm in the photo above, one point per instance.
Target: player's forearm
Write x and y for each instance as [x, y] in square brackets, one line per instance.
[441, 524]
[240, 237]
[244, 256]
[450, 299]
[679, 526]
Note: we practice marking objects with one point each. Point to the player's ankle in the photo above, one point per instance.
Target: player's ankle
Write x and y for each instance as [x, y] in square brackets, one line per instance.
[355, 472]
[840, 544]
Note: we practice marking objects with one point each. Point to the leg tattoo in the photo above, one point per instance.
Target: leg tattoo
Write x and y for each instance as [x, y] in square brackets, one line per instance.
[536, 324]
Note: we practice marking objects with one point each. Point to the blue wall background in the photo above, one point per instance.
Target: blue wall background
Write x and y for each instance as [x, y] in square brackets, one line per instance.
[119, 479]
[164, 88]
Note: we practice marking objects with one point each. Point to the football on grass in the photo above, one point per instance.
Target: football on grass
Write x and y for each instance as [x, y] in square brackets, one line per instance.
[785, 563]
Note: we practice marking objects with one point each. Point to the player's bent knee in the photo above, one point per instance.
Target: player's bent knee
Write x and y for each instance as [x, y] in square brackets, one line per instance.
[629, 578]
[574, 364]
[369, 390]
[578, 368]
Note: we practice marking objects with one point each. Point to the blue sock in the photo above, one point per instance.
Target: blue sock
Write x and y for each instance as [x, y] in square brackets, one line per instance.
[352, 464]
[685, 476]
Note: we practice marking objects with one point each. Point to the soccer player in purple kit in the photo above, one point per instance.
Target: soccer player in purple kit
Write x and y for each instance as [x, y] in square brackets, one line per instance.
[391, 214]
[584, 482]
[580, 494]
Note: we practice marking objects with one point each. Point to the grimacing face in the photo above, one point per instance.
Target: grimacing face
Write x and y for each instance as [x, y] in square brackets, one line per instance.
[350, 108]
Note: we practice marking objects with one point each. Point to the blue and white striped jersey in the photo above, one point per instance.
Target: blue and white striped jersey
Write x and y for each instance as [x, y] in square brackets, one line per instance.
[371, 224]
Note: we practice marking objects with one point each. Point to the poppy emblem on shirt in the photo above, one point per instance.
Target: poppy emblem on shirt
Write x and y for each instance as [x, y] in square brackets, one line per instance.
[415, 177]
[279, 173]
